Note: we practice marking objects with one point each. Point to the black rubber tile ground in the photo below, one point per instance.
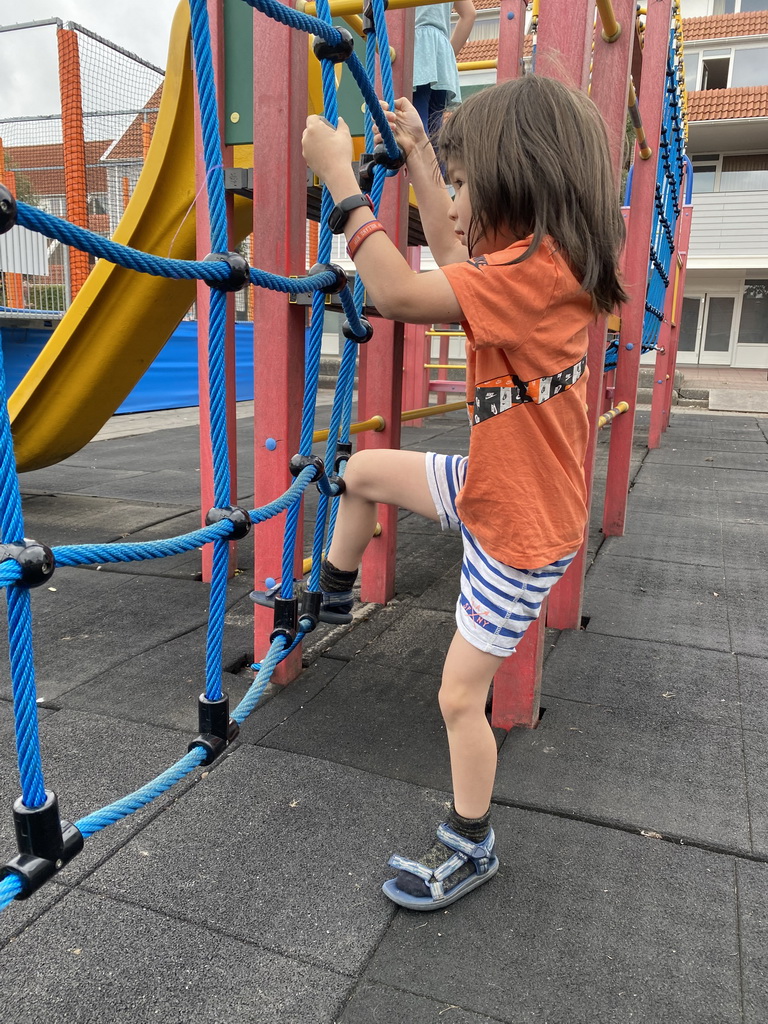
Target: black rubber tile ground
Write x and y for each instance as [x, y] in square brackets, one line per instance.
[756, 771]
[372, 1003]
[663, 681]
[675, 541]
[64, 479]
[745, 545]
[742, 507]
[417, 642]
[580, 924]
[106, 960]
[72, 519]
[90, 761]
[677, 481]
[351, 722]
[669, 603]
[746, 610]
[696, 505]
[680, 778]
[752, 455]
[752, 883]
[285, 851]
[420, 564]
[87, 623]
[753, 686]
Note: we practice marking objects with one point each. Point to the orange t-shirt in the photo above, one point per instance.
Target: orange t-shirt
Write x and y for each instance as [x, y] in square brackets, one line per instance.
[524, 497]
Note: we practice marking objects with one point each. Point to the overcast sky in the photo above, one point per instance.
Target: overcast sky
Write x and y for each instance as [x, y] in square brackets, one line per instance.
[28, 68]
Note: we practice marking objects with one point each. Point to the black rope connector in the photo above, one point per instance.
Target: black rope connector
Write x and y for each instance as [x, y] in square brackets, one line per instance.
[8, 210]
[333, 485]
[309, 617]
[45, 843]
[338, 285]
[343, 454]
[239, 271]
[217, 729]
[349, 334]
[241, 521]
[36, 561]
[286, 621]
[336, 52]
[369, 24]
[299, 463]
[392, 163]
[365, 167]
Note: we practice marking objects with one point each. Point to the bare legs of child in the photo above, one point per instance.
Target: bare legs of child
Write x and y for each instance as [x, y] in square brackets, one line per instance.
[400, 478]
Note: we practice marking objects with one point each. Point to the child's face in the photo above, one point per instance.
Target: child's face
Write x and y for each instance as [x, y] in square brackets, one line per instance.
[460, 216]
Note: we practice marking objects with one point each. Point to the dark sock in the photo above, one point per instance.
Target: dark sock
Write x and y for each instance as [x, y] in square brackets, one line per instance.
[474, 829]
[336, 586]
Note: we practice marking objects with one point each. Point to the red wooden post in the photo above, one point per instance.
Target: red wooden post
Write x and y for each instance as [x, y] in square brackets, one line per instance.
[636, 264]
[380, 377]
[202, 307]
[684, 239]
[564, 38]
[73, 147]
[670, 332]
[279, 233]
[415, 354]
[610, 82]
[511, 39]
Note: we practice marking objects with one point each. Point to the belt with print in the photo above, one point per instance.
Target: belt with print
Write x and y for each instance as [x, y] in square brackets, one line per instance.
[502, 393]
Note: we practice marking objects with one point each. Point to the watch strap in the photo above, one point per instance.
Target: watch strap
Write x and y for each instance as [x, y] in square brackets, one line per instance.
[341, 211]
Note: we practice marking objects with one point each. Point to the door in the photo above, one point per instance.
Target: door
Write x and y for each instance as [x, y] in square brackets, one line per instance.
[706, 328]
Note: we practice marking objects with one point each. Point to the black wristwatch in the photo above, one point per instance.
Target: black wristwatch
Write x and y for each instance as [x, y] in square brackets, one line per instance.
[342, 210]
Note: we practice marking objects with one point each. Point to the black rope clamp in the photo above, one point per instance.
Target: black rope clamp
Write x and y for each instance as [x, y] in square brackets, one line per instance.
[333, 485]
[343, 454]
[239, 271]
[365, 167]
[8, 210]
[45, 843]
[299, 463]
[369, 24]
[333, 268]
[36, 561]
[338, 51]
[241, 521]
[392, 163]
[349, 334]
[311, 600]
[217, 729]
[286, 621]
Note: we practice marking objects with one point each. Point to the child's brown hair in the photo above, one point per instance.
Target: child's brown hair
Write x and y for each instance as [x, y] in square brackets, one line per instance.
[536, 158]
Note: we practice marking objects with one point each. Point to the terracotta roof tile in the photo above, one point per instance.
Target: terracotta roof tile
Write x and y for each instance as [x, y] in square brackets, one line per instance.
[487, 5]
[488, 49]
[725, 26]
[716, 104]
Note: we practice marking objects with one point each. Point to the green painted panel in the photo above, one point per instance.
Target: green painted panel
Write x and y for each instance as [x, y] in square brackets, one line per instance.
[238, 79]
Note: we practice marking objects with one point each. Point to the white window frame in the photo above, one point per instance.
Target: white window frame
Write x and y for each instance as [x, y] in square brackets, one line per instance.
[712, 47]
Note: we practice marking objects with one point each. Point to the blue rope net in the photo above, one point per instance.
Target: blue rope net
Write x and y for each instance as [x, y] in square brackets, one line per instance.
[667, 207]
[14, 568]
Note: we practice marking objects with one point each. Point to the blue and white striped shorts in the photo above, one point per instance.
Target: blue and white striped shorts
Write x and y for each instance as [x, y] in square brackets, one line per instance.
[497, 602]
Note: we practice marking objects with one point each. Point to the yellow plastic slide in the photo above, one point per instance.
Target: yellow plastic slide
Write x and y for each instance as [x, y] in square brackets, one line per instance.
[121, 319]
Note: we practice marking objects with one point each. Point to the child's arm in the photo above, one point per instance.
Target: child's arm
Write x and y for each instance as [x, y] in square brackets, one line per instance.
[427, 180]
[466, 12]
[397, 292]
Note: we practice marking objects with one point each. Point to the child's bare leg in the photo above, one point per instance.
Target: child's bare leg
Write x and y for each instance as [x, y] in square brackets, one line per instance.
[467, 675]
[378, 475]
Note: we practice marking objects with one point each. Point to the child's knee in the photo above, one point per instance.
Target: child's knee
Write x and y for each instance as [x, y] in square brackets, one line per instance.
[458, 701]
[362, 473]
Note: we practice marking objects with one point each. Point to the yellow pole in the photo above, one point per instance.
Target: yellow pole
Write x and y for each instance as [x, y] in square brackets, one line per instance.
[431, 410]
[611, 27]
[637, 123]
[374, 423]
[477, 65]
[342, 7]
[606, 418]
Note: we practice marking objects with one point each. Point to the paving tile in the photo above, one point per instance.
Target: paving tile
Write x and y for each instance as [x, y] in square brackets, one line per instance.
[742, 507]
[676, 481]
[756, 769]
[580, 924]
[752, 881]
[680, 778]
[753, 687]
[74, 519]
[675, 541]
[663, 681]
[656, 601]
[371, 1003]
[285, 850]
[752, 455]
[746, 610]
[106, 960]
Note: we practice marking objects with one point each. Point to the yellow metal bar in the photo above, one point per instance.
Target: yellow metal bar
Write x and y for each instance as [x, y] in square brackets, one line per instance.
[374, 423]
[341, 7]
[611, 27]
[444, 366]
[477, 65]
[606, 418]
[445, 334]
[637, 123]
[431, 410]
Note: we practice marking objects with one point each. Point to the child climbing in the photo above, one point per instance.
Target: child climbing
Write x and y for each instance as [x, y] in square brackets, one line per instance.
[528, 254]
[435, 49]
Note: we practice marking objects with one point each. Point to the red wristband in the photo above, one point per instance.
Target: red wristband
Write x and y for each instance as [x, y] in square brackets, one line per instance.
[369, 228]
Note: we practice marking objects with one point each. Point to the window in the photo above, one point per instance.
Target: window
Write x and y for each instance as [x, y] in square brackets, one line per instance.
[734, 6]
[691, 70]
[753, 326]
[750, 66]
[704, 173]
[715, 66]
[744, 173]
